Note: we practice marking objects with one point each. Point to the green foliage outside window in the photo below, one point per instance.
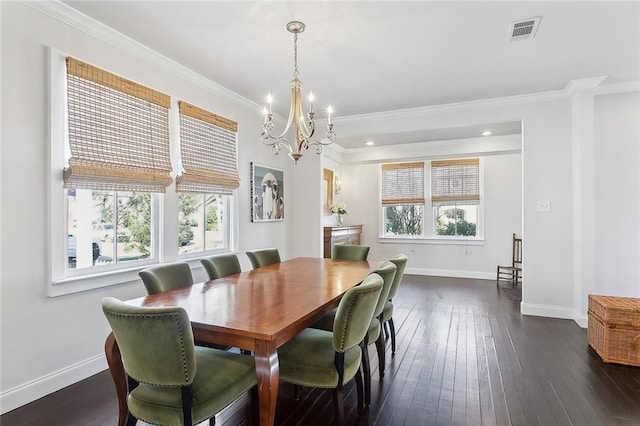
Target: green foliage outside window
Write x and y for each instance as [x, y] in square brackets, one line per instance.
[188, 205]
[136, 217]
[461, 227]
[133, 224]
[212, 217]
[403, 220]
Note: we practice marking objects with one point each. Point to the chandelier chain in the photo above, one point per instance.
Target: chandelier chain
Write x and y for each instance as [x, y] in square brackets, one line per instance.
[295, 55]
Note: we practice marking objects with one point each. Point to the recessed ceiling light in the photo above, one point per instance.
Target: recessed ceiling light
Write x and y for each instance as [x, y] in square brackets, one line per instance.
[369, 143]
[486, 133]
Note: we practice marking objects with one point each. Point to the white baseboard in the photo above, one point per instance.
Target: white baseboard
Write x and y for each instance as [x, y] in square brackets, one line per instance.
[582, 320]
[546, 311]
[43, 386]
[554, 312]
[478, 275]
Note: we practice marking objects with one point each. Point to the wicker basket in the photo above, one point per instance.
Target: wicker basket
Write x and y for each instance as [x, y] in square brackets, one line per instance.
[614, 328]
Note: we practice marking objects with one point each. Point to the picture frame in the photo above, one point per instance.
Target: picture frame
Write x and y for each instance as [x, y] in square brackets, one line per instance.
[267, 193]
[327, 190]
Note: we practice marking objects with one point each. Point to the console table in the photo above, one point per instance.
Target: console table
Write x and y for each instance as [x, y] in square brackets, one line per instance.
[345, 234]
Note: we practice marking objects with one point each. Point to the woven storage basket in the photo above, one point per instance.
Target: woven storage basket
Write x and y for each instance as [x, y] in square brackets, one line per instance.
[614, 328]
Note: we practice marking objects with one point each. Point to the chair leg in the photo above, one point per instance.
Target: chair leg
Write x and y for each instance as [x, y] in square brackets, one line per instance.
[359, 392]
[296, 392]
[338, 403]
[255, 405]
[380, 343]
[393, 336]
[366, 372]
[131, 421]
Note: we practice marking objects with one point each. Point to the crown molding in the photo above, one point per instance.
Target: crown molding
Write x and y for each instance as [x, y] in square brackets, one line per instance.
[453, 107]
[508, 101]
[610, 89]
[584, 84]
[102, 32]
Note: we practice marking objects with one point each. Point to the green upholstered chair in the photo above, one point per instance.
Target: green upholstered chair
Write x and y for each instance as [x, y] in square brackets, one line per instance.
[387, 271]
[171, 381]
[400, 261]
[349, 252]
[263, 257]
[167, 276]
[324, 359]
[221, 265]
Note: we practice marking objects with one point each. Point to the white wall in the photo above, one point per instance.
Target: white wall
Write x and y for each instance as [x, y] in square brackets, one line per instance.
[617, 194]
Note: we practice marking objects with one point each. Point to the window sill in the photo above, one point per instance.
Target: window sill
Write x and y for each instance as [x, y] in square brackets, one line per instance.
[76, 284]
[431, 240]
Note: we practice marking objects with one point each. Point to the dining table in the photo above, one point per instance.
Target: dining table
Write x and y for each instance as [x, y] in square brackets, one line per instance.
[257, 311]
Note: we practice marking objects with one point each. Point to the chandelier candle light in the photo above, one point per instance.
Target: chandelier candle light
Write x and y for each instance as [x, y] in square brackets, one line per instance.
[304, 127]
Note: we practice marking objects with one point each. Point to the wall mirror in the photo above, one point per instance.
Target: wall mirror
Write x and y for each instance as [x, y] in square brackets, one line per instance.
[327, 190]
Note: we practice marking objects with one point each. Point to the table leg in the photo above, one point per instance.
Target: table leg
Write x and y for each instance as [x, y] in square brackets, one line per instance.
[268, 372]
[112, 352]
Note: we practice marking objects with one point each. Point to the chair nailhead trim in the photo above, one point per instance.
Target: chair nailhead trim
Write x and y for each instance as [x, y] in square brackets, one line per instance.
[349, 314]
[175, 317]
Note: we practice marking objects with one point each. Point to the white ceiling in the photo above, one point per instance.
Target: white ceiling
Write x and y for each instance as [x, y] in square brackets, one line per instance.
[372, 56]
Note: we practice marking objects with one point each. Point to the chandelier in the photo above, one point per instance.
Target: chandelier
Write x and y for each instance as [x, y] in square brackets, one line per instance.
[304, 126]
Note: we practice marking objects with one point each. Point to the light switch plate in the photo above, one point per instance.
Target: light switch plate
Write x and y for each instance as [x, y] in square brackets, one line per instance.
[544, 206]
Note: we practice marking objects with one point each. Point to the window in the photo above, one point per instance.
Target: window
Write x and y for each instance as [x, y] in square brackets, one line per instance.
[111, 138]
[403, 198]
[107, 227]
[454, 201]
[208, 177]
[455, 197]
[201, 223]
[117, 156]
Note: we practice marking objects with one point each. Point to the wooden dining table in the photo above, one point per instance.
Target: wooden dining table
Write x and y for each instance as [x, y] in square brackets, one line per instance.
[257, 310]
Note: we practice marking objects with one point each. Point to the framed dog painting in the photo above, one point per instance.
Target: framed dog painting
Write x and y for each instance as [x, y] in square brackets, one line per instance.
[267, 193]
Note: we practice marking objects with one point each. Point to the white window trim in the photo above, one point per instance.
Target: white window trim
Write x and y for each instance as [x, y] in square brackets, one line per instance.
[428, 236]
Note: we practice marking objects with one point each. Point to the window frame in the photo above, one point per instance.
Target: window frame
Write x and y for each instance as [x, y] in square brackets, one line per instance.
[228, 202]
[428, 235]
[102, 269]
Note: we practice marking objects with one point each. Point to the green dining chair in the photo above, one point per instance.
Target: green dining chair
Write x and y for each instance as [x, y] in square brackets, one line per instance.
[349, 252]
[221, 265]
[400, 261]
[387, 270]
[263, 257]
[169, 276]
[170, 380]
[166, 276]
[323, 359]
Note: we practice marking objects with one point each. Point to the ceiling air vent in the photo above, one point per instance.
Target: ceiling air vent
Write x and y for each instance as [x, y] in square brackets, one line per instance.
[523, 30]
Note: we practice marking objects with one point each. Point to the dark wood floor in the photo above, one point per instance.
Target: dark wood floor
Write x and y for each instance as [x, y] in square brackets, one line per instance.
[465, 356]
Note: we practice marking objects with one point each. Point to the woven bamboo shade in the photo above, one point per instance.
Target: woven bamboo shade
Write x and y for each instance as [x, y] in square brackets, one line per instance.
[403, 183]
[455, 182]
[118, 132]
[208, 150]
